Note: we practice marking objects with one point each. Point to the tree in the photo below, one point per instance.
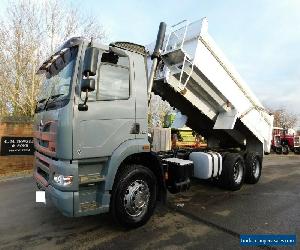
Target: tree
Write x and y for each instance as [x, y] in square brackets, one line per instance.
[157, 111]
[29, 33]
[283, 118]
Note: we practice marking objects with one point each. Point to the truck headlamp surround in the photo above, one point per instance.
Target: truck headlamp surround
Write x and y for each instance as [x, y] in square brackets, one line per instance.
[63, 180]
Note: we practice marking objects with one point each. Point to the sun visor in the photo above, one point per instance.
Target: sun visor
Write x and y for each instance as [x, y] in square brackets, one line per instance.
[75, 41]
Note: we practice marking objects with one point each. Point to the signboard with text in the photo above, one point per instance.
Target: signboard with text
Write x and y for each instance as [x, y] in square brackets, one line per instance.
[17, 145]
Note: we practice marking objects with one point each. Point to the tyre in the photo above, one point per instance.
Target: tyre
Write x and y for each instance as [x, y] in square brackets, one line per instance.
[285, 150]
[253, 168]
[133, 197]
[296, 150]
[233, 172]
[278, 150]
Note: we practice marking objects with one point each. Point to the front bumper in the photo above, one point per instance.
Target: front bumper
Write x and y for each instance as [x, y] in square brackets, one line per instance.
[63, 201]
[75, 200]
[44, 170]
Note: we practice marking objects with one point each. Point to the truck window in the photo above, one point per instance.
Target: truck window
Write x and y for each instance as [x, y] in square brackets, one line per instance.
[113, 81]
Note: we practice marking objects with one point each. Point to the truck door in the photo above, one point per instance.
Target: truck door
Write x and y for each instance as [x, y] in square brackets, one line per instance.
[110, 118]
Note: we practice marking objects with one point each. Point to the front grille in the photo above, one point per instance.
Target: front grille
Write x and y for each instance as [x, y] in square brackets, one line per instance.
[45, 138]
[46, 164]
[43, 173]
[44, 143]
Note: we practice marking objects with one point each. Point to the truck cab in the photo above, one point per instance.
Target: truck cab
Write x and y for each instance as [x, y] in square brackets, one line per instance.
[80, 145]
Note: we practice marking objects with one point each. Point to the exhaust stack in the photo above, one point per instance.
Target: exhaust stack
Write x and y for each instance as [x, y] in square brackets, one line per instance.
[156, 54]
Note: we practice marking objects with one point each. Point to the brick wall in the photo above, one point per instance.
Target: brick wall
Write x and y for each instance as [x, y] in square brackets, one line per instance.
[14, 164]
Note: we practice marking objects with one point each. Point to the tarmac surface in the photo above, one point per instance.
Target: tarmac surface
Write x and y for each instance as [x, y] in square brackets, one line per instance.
[206, 217]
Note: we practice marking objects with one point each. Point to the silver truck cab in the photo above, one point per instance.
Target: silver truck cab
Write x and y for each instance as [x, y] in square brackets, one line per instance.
[78, 151]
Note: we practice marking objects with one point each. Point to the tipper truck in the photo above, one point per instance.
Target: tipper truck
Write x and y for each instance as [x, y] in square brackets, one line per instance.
[91, 125]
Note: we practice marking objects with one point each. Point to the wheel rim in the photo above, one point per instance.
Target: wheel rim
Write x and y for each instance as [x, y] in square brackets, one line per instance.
[256, 169]
[136, 198]
[238, 172]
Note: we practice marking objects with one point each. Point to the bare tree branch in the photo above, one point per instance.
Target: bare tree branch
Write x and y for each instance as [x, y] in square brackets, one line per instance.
[283, 118]
[29, 33]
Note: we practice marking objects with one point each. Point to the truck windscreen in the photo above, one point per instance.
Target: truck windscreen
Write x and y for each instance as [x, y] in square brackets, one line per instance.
[56, 85]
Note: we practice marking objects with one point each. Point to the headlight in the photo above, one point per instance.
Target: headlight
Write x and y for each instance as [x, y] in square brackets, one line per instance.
[63, 180]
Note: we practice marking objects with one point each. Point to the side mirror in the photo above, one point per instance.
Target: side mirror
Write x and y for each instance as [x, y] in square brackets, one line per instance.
[89, 69]
[90, 61]
[87, 85]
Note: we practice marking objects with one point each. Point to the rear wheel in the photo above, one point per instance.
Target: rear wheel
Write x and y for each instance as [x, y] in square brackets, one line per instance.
[253, 168]
[233, 171]
[133, 196]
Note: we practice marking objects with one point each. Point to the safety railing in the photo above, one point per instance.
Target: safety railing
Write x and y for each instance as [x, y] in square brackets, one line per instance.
[175, 41]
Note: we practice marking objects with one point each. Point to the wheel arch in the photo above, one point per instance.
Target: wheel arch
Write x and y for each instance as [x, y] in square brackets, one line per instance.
[131, 152]
[126, 149]
[150, 161]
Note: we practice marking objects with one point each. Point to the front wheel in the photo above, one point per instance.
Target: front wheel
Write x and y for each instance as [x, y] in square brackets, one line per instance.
[133, 196]
[285, 150]
[278, 150]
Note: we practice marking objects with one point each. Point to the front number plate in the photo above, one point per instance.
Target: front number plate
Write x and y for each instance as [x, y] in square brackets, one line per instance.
[40, 196]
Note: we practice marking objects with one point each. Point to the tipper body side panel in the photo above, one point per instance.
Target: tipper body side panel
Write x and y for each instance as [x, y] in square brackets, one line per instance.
[196, 78]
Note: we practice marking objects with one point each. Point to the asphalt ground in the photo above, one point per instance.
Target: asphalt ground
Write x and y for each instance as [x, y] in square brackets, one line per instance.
[206, 217]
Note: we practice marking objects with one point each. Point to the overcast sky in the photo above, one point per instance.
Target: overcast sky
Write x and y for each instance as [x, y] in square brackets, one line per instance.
[260, 37]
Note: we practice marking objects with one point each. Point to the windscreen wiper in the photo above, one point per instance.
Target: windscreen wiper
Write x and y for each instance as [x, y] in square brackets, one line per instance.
[52, 97]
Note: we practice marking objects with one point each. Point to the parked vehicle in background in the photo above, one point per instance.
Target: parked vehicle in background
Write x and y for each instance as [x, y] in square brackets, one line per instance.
[276, 144]
[284, 141]
[297, 144]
